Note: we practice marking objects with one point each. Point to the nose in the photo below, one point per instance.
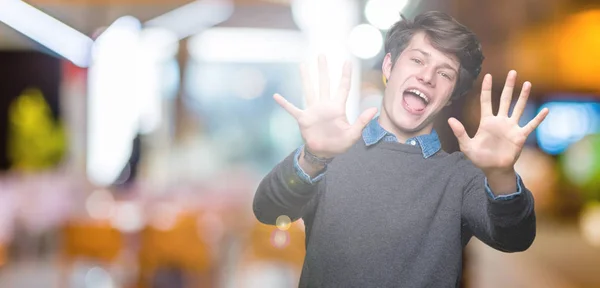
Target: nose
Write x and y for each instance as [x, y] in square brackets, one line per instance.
[427, 76]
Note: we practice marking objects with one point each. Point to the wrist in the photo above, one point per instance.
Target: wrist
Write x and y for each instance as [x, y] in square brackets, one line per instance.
[312, 169]
[500, 173]
[502, 181]
[315, 160]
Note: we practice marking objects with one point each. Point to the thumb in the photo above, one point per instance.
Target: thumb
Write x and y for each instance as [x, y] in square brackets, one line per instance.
[459, 131]
[363, 120]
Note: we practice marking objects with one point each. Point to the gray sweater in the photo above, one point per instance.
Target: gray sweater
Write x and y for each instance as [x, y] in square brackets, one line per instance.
[385, 216]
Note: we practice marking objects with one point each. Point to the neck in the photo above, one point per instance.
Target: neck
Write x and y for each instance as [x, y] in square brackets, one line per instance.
[402, 135]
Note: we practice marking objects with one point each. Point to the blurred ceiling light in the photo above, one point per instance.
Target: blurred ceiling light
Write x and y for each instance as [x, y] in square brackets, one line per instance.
[331, 18]
[327, 25]
[157, 46]
[194, 17]
[252, 45]
[113, 118]
[159, 43]
[365, 41]
[46, 30]
[122, 33]
[384, 13]
[124, 82]
[122, 23]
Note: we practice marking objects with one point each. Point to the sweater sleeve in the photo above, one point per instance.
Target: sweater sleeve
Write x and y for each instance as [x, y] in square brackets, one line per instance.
[283, 192]
[508, 225]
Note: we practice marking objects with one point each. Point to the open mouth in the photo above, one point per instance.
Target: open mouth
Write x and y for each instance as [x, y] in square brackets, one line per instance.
[415, 100]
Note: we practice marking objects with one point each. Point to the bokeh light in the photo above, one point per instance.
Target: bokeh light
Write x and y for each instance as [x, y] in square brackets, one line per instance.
[280, 239]
[567, 123]
[164, 215]
[283, 222]
[590, 223]
[98, 278]
[128, 217]
[100, 204]
[384, 13]
[365, 41]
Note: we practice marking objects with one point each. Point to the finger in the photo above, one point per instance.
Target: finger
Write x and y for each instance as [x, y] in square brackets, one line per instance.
[521, 102]
[486, 96]
[459, 132]
[324, 88]
[507, 92]
[309, 92]
[289, 107]
[344, 88]
[535, 122]
[363, 120]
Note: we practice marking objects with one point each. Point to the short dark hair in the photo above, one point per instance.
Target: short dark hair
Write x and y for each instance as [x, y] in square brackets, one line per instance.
[447, 35]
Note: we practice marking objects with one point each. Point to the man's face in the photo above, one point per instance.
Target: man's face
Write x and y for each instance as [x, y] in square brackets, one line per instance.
[419, 85]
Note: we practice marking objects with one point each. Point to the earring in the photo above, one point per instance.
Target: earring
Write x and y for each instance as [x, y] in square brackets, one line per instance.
[384, 80]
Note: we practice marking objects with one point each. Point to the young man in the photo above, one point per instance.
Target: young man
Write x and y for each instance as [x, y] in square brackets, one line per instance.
[383, 205]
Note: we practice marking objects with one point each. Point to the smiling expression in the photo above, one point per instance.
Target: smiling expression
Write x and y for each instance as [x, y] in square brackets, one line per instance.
[419, 86]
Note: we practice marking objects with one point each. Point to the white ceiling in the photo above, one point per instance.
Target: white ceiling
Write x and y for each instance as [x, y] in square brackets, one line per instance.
[83, 18]
[87, 19]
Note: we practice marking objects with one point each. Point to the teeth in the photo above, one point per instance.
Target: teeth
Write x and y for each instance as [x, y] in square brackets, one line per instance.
[420, 94]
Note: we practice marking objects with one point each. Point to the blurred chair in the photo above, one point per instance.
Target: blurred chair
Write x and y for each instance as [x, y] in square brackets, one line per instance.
[95, 240]
[168, 255]
[89, 241]
[271, 257]
[3, 254]
[266, 246]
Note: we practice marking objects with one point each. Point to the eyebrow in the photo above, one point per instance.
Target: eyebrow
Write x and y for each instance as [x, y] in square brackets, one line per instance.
[428, 55]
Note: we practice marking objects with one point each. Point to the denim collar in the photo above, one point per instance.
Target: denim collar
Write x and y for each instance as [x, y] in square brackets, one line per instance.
[429, 143]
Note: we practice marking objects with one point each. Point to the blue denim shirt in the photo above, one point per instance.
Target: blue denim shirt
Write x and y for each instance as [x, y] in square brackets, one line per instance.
[429, 144]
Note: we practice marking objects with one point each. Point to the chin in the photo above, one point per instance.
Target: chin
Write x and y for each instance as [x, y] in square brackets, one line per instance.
[409, 127]
[408, 122]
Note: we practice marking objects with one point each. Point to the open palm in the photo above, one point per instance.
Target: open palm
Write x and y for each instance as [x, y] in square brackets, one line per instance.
[499, 140]
[323, 124]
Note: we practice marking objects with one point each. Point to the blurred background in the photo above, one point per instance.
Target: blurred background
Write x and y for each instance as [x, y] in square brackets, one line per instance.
[133, 134]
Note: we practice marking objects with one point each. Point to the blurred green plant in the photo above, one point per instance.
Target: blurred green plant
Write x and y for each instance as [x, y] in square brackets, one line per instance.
[35, 140]
[581, 166]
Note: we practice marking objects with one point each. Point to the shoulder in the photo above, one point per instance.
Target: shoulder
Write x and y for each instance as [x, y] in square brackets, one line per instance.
[455, 160]
[464, 170]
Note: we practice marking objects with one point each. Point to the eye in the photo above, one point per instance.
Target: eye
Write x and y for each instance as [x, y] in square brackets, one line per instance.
[416, 60]
[446, 75]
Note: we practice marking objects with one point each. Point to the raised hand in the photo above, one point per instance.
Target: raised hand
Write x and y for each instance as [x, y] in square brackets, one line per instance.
[499, 140]
[323, 124]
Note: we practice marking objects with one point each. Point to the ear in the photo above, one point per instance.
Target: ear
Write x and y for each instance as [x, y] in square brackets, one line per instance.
[386, 67]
